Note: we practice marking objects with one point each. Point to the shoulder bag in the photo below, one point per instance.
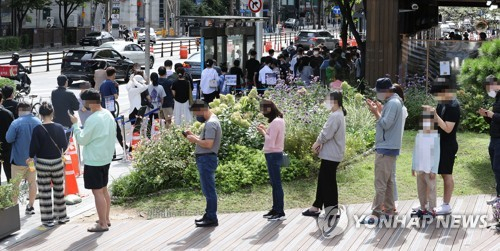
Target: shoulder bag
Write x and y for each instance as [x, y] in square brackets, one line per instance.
[55, 144]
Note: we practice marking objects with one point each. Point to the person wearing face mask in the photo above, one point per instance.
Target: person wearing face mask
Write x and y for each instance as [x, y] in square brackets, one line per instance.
[316, 61]
[493, 118]
[207, 148]
[274, 144]
[295, 58]
[330, 148]
[19, 135]
[425, 164]
[447, 117]
[387, 147]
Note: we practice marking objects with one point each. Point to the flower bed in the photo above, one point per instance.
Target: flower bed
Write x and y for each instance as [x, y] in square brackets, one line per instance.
[168, 162]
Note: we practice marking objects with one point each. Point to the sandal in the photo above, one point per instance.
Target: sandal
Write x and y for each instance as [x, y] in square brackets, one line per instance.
[97, 221]
[97, 228]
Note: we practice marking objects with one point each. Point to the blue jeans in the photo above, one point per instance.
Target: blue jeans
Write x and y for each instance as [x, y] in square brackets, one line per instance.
[274, 161]
[207, 164]
[494, 150]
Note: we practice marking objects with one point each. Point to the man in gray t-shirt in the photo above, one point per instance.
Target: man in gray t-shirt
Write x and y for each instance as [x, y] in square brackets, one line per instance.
[207, 147]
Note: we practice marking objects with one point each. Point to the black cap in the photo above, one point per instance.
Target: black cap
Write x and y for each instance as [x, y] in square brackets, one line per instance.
[383, 84]
[198, 105]
[61, 80]
[491, 80]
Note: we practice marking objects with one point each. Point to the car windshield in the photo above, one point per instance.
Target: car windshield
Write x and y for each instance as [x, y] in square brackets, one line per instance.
[307, 34]
[143, 30]
[290, 20]
[94, 34]
[79, 55]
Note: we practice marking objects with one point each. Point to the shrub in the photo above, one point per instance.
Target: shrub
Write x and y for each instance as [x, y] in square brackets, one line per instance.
[415, 97]
[9, 43]
[472, 95]
[6, 81]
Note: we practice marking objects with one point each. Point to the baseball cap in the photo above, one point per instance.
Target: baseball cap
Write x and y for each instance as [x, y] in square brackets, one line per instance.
[383, 84]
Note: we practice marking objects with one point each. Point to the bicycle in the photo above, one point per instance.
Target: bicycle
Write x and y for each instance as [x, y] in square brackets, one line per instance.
[34, 106]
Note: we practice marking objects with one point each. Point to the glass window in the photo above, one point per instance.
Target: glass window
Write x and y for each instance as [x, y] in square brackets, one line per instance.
[115, 54]
[128, 48]
[104, 54]
[136, 47]
[325, 34]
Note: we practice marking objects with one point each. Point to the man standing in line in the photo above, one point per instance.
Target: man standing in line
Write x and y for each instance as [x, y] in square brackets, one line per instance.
[387, 146]
[8, 100]
[19, 135]
[98, 137]
[110, 92]
[63, 101]
[207, 148]
[6, 118]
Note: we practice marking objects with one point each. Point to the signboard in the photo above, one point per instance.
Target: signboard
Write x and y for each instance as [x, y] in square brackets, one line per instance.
[230, 80]
[444, 68]
[254, 5]
[271, 78]
[336, 10]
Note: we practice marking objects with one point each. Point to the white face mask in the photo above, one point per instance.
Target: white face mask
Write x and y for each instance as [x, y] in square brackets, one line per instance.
[426, 124]
[381, 96]
[315, 53]
[492, 93]
[328, 105]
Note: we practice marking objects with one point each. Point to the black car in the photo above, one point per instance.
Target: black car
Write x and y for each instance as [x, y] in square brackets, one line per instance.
[96, 38]
[81, 64]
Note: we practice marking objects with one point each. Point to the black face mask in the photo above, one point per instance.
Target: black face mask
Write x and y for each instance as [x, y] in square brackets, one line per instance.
[201, 119]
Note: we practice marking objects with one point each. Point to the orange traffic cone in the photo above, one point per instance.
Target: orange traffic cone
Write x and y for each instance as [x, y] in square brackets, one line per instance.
[136, 139]
[70, 185]
[74, 156]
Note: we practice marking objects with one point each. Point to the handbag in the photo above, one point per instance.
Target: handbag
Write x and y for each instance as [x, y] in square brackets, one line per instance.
[63, 159]
[190, 94]
[213, 84]
[286, 160]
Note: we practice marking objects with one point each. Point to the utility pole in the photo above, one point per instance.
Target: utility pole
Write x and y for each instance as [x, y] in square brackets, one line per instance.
[147, 19]
[165, 15]
[177, 14]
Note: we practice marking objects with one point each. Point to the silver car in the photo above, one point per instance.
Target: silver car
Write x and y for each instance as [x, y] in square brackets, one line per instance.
[131, 51]
[193, 65]
[141, 36]
[313, 38]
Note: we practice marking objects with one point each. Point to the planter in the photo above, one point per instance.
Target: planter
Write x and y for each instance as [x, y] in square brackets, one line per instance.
[9, 217]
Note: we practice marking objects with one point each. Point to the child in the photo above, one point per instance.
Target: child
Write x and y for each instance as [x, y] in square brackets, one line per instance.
[425, 164]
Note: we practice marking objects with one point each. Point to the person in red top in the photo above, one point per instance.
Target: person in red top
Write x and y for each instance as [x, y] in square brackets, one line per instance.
[274, 144]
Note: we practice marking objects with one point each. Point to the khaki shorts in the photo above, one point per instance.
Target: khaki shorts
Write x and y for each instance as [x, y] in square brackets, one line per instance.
[24, 172]
[166, 113]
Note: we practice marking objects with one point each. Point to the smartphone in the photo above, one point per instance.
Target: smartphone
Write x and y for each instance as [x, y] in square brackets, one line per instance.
[184, 134]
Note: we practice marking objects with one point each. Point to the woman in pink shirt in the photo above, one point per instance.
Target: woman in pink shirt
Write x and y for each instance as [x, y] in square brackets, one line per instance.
[273, 149]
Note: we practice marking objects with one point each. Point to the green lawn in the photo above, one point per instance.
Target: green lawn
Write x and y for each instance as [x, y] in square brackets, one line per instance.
[472, 172]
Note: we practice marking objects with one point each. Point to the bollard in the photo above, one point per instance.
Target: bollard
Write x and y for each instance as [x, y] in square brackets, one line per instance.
[189, 46]
[48, 61]
[197, 47]
[63, 52]
[31, 60]
[162, 49]
[171, 49]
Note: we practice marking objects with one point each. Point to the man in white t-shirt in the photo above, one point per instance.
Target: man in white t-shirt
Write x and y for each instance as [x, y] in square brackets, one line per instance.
[168, 65]
[265, 69]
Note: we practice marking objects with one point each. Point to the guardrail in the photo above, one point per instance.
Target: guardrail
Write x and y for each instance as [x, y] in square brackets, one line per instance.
[163, 48]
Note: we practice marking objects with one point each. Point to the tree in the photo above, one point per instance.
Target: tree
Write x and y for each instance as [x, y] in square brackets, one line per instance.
[21, 8]
[66, 8]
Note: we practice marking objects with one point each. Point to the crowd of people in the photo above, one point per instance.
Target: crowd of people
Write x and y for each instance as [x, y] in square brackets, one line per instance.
[34, 149]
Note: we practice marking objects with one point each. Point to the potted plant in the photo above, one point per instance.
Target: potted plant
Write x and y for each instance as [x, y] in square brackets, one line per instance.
[9, 212]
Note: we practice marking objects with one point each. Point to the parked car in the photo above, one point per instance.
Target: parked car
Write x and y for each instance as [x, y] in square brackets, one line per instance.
[193, 65]
[141, 36]
[80, 64]
[291, 23]
[96, 38]
[131, 51]
[316, 37]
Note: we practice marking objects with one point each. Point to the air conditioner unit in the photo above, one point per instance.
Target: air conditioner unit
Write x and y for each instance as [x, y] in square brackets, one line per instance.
[50, 22]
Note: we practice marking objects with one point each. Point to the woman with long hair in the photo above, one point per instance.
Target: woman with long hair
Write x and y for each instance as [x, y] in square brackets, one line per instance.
[48, 144]
[274, 144]
[330, 148]
[182, 92]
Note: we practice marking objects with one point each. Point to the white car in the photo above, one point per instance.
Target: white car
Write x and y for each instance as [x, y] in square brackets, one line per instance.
[141, 36]
[132, 51]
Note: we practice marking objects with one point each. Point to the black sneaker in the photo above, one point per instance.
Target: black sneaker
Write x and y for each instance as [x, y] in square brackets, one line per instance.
[30, 210]
[277, 217]
[201, 219]
[270, 214]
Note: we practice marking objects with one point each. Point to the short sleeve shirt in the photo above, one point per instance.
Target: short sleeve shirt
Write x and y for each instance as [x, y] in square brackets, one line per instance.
[107, 88]
[211, 130]
[449, 112]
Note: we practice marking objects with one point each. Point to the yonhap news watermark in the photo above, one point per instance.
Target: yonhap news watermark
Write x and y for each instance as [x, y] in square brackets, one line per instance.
[440, 221]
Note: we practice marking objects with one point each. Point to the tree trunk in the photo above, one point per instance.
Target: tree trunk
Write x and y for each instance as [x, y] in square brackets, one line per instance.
[343, 33]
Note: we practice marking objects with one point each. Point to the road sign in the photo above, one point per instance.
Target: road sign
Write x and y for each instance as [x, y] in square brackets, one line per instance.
[336, 10]
[255, 5]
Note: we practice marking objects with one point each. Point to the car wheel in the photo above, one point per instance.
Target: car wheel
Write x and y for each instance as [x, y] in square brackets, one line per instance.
[151, 62]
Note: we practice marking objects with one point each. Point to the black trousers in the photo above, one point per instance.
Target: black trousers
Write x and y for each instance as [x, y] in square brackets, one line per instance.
[208, 98]
[119, 135]
[327, 192]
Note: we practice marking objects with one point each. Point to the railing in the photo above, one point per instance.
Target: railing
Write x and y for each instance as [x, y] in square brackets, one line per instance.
[163, 49]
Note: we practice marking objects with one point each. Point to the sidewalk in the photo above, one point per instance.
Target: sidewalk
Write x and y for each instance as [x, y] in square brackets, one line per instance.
[31, 225]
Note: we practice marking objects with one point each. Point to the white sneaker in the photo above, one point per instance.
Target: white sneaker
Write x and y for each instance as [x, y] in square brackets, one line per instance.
[443, 209]
[416, 208]
[493, 201]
